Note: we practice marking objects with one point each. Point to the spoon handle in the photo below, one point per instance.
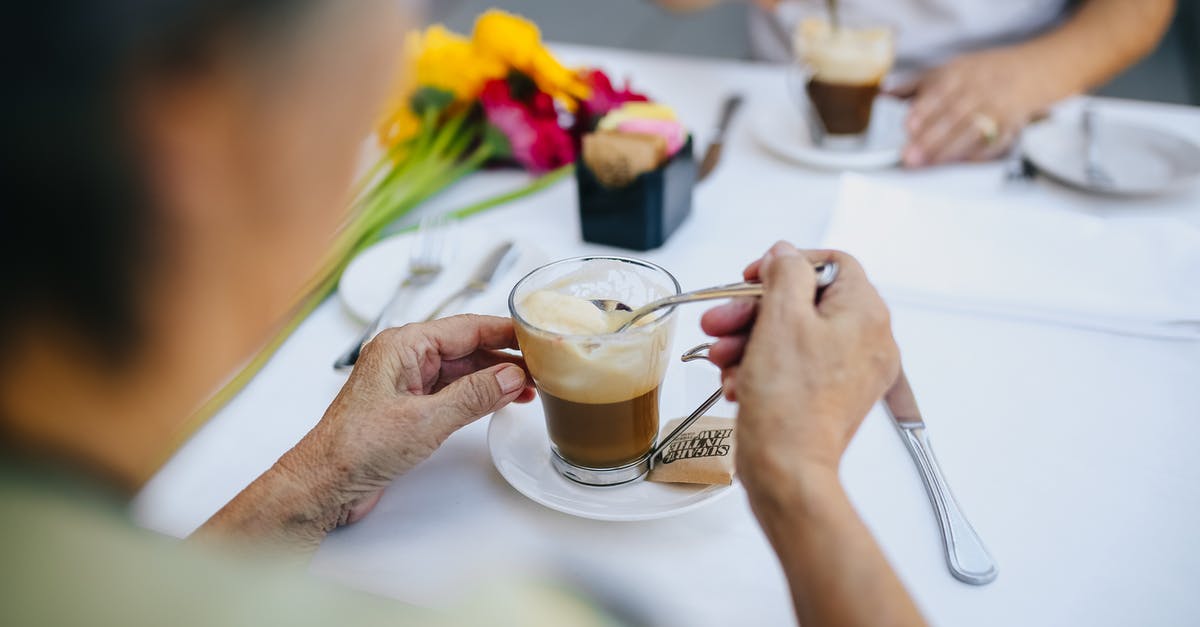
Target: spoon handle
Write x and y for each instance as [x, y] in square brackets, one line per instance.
[687, 422]
[695, 353]
[732, 290]
[826, 273]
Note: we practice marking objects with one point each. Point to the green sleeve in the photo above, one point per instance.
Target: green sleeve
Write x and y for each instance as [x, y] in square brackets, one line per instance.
[63, 563]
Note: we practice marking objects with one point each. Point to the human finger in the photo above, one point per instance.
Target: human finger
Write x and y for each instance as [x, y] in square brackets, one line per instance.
[413, 354]
[848, 289]
[453, 369]
[930, 137]
[730, 317]
[1002, 145]
[966, 138]
[903, 91]
[729, 383]
[939, 91]
[474, 396]
[527, 395]
[934, 90]
[789, 287]
[459, 336]
[751, 271]
[728, 350]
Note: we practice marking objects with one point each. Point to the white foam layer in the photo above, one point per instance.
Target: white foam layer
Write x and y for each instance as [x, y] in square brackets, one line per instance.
[856, 56]
[574, 356]
[563, 313]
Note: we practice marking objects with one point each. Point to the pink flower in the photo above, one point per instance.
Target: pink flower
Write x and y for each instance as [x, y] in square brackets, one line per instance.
[604, 98]
[535, 139]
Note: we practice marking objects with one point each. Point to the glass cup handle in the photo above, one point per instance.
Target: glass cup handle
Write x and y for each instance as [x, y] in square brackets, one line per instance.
[698, 352]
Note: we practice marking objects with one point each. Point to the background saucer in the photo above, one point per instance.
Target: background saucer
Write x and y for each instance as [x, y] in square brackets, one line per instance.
[1141, 160]
[372, 277]
[780, 127]
[520, 451]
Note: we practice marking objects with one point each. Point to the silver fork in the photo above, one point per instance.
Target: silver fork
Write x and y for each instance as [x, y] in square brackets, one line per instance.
[424, 265]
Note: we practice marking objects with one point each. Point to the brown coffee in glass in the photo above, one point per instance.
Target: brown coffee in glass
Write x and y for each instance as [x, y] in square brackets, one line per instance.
[843, 68]
[599, 389]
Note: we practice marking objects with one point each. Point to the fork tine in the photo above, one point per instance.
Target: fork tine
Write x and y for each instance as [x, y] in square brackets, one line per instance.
[432, 242]
[436, 233]
[417, 252]
[427, 234]
[439, 242]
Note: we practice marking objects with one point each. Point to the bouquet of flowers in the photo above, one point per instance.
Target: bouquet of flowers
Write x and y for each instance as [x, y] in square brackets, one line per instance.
[497, 97]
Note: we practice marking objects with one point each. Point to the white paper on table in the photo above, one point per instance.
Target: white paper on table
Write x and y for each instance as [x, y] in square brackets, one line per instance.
[1138, 276]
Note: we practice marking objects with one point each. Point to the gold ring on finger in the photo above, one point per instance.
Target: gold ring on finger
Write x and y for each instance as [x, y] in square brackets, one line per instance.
[988, 127]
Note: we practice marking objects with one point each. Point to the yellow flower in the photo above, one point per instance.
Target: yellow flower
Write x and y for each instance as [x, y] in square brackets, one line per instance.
[449, 61]
[445, 60]
[516, 43]
[440, 59]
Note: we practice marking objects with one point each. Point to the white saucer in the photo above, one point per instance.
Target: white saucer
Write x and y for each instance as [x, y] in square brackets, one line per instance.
[520, 450]
[1141, 160]
[373, 275]
[781, 128]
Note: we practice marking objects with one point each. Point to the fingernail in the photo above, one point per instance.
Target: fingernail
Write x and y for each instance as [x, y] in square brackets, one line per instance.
[785, 249]
[913, 157]
[510, 379]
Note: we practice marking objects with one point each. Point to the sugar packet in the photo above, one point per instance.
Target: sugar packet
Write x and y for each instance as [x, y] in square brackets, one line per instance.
[703, 454]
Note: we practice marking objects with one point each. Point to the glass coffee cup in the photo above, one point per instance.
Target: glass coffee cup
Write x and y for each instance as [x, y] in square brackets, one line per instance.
[841, 69]
[599, 389]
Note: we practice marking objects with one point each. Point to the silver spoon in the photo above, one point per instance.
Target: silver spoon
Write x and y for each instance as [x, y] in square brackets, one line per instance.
[835, 21]
[826, 273]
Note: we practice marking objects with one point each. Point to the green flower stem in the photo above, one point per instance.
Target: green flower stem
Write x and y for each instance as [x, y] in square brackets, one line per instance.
[534, 186]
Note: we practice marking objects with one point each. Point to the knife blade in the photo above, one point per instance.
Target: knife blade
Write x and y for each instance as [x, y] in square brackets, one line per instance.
[494, 265]
[968, 559]
[712, 154]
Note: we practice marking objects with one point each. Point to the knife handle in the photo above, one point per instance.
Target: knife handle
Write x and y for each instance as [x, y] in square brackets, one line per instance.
[968, 559]
[729, 108]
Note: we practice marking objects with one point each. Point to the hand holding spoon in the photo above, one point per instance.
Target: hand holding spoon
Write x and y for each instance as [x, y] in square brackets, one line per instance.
[826, 274]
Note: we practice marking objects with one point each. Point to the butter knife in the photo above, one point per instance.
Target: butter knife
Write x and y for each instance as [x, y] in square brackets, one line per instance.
[712, 154]
[968, 559]
[495, 264]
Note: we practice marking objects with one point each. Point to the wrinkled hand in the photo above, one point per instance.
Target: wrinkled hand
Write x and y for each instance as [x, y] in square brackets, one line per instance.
[412, 387]
[805, 375]
[954, 106]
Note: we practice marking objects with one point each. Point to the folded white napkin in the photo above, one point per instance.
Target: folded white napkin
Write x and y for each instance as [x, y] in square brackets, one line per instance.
[1138, 276]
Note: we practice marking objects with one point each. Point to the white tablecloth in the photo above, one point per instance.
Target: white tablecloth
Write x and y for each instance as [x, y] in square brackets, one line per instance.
[1073, 452]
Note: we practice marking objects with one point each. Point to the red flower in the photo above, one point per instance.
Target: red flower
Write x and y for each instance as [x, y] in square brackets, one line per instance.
[604, 98]
[535, 139]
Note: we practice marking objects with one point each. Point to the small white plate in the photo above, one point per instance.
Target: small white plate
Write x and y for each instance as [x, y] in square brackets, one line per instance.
[781, 129]
[520, 450]
[1141, 160]
[371, 278]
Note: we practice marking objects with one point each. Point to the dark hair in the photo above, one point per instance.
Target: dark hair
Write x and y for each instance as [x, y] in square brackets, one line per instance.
[76, 230]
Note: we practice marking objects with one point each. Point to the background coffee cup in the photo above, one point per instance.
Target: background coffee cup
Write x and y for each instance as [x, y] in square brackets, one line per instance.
[837, 75]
